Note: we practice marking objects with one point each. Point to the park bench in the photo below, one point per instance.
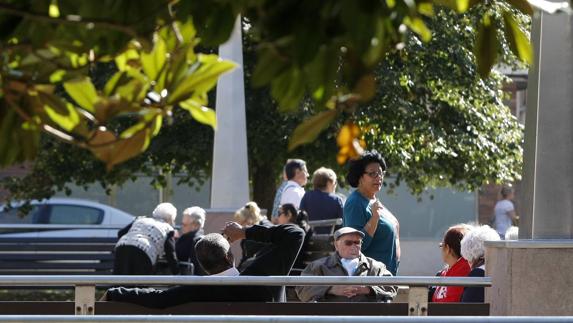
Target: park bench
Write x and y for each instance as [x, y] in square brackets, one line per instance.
[85, 302]
[45, 256]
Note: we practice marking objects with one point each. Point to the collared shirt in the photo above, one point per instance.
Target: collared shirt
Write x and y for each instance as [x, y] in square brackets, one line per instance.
[292, 193]
[229, 272]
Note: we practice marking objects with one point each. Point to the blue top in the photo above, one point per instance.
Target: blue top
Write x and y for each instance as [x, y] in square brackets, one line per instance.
[382, 246]
[321, 206]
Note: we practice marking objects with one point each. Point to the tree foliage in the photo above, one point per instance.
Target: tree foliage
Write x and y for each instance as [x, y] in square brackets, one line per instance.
[326, 51]
[435, 120]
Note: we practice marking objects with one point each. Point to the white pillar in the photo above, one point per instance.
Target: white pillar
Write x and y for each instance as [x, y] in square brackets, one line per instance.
[548, 168]
[230, 176]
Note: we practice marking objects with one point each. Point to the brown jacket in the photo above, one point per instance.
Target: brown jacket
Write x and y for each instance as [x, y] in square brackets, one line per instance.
[331, 266]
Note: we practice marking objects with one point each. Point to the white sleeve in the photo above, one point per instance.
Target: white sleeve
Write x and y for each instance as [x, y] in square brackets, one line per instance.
[292, 195]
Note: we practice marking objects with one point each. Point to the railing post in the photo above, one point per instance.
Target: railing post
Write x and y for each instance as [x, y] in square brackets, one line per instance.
[85, 299]
[418, 301]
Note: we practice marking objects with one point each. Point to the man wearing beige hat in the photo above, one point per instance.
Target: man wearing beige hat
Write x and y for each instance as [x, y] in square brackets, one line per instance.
[346, 261]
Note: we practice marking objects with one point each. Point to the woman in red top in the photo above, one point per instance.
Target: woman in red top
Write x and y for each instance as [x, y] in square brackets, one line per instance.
[456, 265]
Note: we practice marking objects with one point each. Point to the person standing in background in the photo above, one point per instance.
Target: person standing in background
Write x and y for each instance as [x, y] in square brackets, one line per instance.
[364, 212]
[297, 176]
[504, 211]
[278, 196]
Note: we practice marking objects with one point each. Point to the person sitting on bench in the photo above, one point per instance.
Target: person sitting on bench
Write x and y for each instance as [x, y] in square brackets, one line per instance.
[346, 261]
[214, 254]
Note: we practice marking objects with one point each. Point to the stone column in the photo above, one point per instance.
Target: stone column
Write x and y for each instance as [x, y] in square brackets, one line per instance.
[533, 275]
[230, 176]
[548, 169]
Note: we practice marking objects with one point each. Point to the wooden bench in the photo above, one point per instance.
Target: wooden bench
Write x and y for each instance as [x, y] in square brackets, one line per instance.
[247, 308]
[44, 256]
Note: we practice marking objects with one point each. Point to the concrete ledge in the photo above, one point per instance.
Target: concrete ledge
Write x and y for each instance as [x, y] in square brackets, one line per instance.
[531, 244]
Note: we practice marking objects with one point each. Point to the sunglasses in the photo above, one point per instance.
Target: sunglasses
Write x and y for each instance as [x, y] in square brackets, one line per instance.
[349, 243]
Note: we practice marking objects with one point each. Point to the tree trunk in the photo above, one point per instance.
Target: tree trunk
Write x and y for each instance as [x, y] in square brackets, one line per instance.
[265, 183]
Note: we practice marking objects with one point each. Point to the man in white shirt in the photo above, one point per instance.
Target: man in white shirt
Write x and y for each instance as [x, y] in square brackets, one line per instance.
[504, 211]
[297, 177]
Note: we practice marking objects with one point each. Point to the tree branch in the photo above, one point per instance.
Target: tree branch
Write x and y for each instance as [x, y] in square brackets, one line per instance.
[69, 20]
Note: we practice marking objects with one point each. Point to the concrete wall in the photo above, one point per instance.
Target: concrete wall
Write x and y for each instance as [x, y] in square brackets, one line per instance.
[530, 277]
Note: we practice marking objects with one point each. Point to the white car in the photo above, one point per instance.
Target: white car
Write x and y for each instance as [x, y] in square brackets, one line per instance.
[61, 218]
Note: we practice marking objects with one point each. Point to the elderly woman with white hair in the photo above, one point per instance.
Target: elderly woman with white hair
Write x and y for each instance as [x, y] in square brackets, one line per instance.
[192, 225]
[144, 240]
[473, 250]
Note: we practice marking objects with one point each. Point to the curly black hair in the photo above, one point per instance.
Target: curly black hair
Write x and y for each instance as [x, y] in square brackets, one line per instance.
[358, 166]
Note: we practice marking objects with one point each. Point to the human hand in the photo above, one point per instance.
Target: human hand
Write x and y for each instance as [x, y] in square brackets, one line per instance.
[233, 231]
[376, 208]
[349, 291]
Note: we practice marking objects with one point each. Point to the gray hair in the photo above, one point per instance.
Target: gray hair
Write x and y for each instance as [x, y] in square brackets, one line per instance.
[166, 212]
[472, 245]
[196, 214]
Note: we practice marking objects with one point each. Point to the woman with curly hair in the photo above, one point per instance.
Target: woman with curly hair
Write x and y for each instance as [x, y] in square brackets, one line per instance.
[363, 211]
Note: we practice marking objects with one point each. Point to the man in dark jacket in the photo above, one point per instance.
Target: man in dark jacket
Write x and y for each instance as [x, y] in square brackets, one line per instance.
[214, 255]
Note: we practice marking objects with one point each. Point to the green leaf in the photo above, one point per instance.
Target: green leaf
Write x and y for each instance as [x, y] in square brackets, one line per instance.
[486, 46]
[288, 89]
[57, 76]
[124, 60]
[61, 113]
[269, 64]
[83, 92]
[153, 62]
[522, 5]
[200, 113]
[518, 42]
[201, 80]
[147, 116]
[417, 25]
[54, 10]
[309, 129]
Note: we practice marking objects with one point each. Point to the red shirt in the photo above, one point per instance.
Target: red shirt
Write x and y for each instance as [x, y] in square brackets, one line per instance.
[449, 294]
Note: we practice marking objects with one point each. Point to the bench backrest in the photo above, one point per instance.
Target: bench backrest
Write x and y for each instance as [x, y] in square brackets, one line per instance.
[44, 256]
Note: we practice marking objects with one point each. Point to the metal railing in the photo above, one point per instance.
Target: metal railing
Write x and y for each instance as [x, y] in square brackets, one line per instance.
[280, 318]
[85, 285]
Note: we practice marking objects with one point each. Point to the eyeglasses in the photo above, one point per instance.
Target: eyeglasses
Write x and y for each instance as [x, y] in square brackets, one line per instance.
[349, 243]
[375, 174]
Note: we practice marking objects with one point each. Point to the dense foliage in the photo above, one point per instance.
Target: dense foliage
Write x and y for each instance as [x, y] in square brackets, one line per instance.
[323, 51]
[437, 122]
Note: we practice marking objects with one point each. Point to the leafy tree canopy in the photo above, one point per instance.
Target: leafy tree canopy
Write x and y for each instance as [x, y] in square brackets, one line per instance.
[326, 51]
[436, 121]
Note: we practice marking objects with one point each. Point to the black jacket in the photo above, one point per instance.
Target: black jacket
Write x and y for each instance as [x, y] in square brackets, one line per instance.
[286, 241]
[474, 294]
[185, 250]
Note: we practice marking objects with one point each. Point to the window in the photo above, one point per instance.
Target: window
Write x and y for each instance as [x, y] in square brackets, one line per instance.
[20, 216]
[75, 214]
